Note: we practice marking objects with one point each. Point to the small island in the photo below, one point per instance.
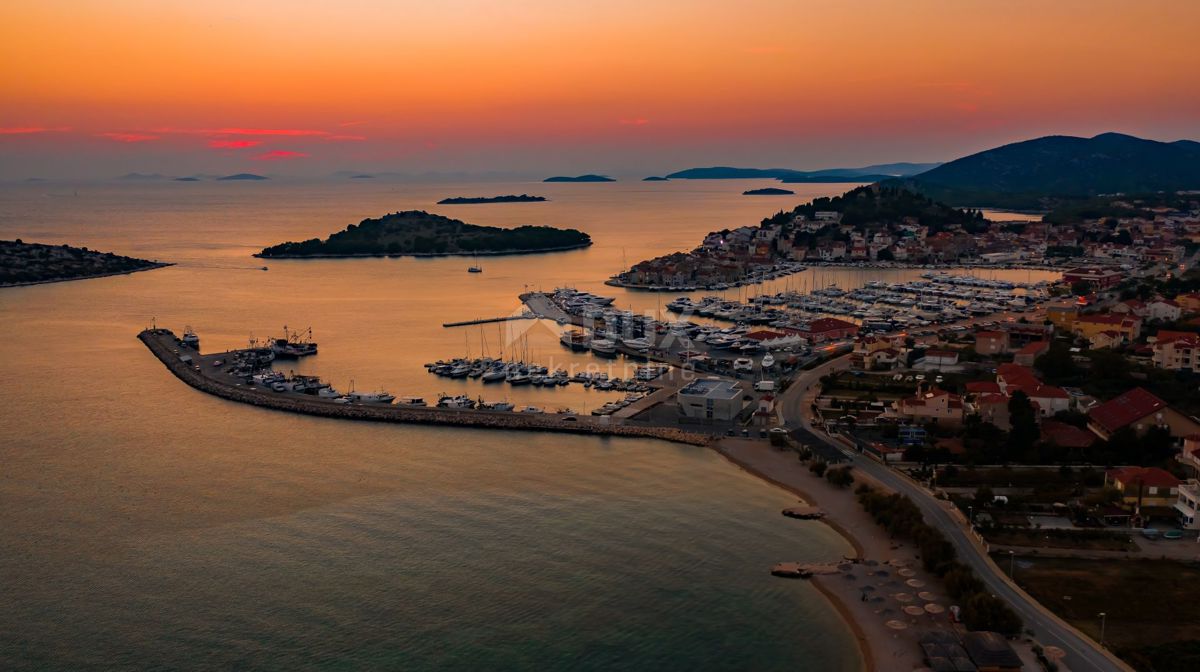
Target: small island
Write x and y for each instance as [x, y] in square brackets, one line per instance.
[187, 179]
[470, 200]
[768, 191]
[24, 263]
[655, 178]
[580, 178]
[242, 176]
[423, 234]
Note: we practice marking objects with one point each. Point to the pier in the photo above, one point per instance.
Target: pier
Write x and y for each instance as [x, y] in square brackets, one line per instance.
[200, 372]
[490, 320]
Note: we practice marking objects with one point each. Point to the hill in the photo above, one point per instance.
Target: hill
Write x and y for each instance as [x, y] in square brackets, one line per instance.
[1037, 173]
[885, 205]
[769, 191]
[467, 200]
[580, 178]
[865, 174]
[415, 232]
[243, 176]
[24, 263]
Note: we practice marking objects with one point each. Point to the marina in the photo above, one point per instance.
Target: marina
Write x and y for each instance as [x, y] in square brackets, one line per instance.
[243, 376]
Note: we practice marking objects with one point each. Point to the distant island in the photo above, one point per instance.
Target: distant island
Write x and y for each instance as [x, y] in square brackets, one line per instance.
[466, 200]
[580, 178]
[419, 233]
[24, 263]
[828, 175]
[768, 191]
[1042, 173]
[362, 176]
[242, 176]
[655, 178]
[187, 179]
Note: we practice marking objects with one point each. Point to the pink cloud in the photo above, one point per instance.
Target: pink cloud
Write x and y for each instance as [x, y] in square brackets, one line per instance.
[279, 155]
[635, 122]
[269, 131]
[233, 144]
[128, 137]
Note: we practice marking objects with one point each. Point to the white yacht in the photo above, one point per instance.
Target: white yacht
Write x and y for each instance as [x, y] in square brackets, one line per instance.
[603, 346]
[379, 397]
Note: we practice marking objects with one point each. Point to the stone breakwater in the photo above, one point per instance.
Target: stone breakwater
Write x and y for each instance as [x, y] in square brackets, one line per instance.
[162, 344]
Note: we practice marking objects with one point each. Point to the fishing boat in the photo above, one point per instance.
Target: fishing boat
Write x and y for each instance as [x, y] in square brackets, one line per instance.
[575, 339]
[292, 345]
[379, 397]
[604, 347]
[190, 339]
[410, 401]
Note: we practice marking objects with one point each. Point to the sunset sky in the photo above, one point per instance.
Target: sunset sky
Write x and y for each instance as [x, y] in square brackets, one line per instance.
[99, 88]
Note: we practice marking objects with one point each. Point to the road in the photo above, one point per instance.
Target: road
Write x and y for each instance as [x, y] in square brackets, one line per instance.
[1080, 652]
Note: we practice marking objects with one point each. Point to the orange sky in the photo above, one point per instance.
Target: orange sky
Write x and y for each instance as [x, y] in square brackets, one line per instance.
[577, 85]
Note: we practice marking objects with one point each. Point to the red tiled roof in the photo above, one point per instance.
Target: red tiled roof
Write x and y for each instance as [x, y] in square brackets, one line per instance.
[1040, 391]
[1034, 348]
[829, 324]
[1150, 476]
[1126, 409]
[1067, 436]
[1105, 318]
[764, 335]
[983, 387]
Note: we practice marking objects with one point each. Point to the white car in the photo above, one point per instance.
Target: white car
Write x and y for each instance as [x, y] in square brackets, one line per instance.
[743, 364]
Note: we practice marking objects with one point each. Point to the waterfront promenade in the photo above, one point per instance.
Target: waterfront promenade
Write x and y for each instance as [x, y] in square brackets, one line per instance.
[200, 373]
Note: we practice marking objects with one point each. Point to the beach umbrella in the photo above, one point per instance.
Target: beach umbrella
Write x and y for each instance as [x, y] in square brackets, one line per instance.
[913, 610]
[916, 583]
[934, 608]
[898, 562]
[927, 596]
[897, 625]
[907, 572]
[903, 597]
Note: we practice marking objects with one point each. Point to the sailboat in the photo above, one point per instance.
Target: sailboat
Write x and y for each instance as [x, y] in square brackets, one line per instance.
[476, 268]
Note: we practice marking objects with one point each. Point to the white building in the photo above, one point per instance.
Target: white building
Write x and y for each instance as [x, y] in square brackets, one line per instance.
[710, 399]
[1188, 504]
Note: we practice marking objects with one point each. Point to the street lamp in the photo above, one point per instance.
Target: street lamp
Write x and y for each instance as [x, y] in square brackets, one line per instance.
[1012, 565]
[1103, 619]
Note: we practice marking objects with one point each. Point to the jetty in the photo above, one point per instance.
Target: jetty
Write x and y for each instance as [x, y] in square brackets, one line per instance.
[207, 374]
[802, 570]
[490, 320]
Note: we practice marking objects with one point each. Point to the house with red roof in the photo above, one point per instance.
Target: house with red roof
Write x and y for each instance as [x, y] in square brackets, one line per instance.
[1067, 436]
[1176, 350]
[1090, 324]
[827, 329]
[1189, 302]
[1139, 410]
[933, 405]
[1144, 486]
[1163, 309]
[1027, 355]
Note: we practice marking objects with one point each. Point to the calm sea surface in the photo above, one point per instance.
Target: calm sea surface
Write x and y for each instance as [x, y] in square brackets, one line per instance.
[146, 525]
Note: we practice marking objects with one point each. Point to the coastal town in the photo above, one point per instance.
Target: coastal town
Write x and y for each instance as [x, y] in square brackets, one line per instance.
[879, 227]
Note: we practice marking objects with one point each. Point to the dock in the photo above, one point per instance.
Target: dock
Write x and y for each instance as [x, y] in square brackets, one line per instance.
[200, 372]
[491, 320]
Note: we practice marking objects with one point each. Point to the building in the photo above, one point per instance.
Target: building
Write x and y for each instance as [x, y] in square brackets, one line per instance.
[1027, 355]
[710, 399]
[1067, 436]
[934, 405]
[827, 329]
[1177, 351]
[1062, 317]
[1139, 410]
[1047, 399]
[1098, 278]
[1188, 504]
[938, 360]
[1144, 486]
[1163, 309]
[991, 342]
[1091, 324]
[1189, 302]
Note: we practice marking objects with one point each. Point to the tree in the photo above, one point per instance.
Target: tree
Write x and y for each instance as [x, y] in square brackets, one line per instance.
[1081, 288]
[984, 495]
[1024, 433]
[840, 477]
[885, 255]
[984, 612]
[818, 467]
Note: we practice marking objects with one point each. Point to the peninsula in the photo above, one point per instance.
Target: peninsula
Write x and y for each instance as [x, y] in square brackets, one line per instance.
[768, 191]
[471, 200]
[24, 263]
[420, 233]
[580, 178]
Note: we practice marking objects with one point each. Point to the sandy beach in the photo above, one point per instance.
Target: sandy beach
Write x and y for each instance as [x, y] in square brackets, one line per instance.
[872, 594]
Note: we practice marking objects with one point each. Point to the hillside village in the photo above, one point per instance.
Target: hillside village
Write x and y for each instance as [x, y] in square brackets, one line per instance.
[888, 226]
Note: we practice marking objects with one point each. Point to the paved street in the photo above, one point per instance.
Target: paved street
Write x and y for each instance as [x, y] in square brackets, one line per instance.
[1081, 653]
